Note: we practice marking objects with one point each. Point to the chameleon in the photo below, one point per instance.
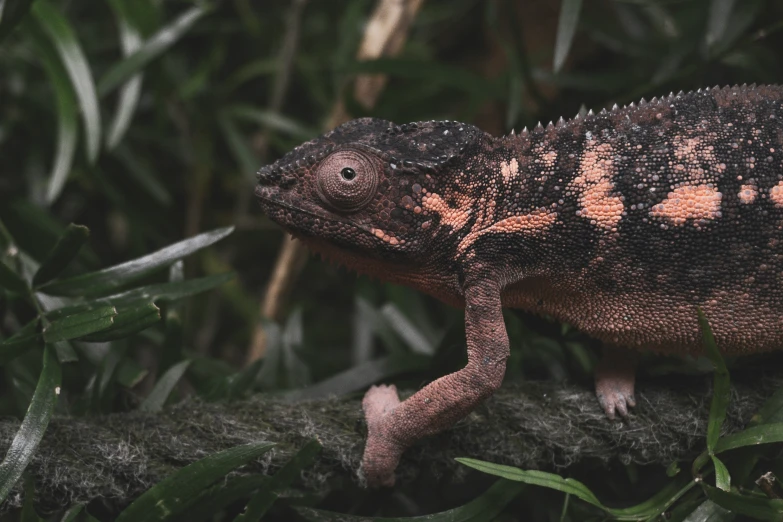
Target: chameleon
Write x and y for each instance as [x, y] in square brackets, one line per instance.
[622, 223]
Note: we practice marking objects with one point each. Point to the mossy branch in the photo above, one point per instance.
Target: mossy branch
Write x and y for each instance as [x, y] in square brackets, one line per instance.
[540, 425]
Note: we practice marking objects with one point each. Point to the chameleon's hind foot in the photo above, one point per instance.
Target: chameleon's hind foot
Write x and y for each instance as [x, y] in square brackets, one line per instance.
[615, 376]
[382, 452]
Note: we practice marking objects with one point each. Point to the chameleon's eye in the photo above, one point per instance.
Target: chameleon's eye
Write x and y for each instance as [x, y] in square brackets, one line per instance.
[347, 180]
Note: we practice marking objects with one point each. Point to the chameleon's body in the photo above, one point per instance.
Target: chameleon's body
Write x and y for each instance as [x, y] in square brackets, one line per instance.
[621, 223]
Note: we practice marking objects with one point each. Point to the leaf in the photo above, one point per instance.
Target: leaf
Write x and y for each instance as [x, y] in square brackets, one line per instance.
[484, 508]
[722, 477]
[753, 436]
[717, 21]
[80, 324]
[771, 411]
[130, 41]
[11, 13]
[271, 120]
[162, 389]
[756, 507]
[67, 110]
[151, 49]
[709, 511]
[651, 508]
[108, 279]
[32, 429]
[243, 155]
[128, 321]
[172, 494]
[28, 507]
[64, 38]
[10, 280]
[219, 496]
[20, 342]
[408, 332]
[64, 251]
[263, 500]
[720, 387]
[566, 29]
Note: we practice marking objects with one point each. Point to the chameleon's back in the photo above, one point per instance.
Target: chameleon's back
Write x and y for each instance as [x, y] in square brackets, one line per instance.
[648, 212]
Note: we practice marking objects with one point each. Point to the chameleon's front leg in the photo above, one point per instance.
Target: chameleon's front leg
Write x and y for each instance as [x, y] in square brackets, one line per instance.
[393, 426]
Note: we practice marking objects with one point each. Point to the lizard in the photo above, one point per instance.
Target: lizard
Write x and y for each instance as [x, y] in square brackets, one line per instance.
[621, 223]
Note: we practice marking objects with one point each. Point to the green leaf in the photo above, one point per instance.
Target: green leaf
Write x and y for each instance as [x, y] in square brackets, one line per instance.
[10, 280]
[151, 49]
[159, 293]
[128, 321]
[162, 389]
[28, 507]
[566, 28]
[271, 120]
[30, 433]
[171, 495]
[243, 155]
[213, 500]
[753, 436]
[260, 504]
[717, 21]
[64, 251]
[482, 509]
[771, 411]
[130, 92]
[652, 507]
[11, 13]
[80, 324]
[722, 477]
[67, 110]
[756, 507]
[104, 281]
[27, 337]
[709, 511]
[721, 385]
[64, 38]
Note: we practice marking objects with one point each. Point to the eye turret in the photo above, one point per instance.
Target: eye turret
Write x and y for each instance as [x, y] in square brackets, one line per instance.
[347, 180]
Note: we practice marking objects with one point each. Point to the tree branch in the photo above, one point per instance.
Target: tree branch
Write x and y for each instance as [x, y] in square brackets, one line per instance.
[540, 425]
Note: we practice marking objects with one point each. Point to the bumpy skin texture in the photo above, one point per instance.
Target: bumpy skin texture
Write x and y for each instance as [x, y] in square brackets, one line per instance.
[621, 223]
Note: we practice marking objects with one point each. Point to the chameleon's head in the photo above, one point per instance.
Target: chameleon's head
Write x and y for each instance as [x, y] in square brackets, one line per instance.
[363, 188]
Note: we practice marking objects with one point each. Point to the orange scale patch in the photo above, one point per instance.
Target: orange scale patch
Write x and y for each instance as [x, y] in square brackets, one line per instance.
[748, 194]
[697, 202]
[595, 186]
[454, 217]
[535, 223]
[776, 194]
[509, 169]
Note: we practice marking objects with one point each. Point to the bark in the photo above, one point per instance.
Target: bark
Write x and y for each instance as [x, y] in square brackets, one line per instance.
[541, 425]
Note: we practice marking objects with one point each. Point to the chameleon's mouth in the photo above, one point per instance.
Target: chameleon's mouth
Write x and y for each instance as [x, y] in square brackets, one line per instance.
[300, 217]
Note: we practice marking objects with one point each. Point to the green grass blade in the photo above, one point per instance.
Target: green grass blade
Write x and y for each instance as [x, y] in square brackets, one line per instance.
[271, 120]
[151, 49]
[64, 38]
[722, 477]
[10, 280]
[172, 494]
[128, 321]
[30, 433]
[130, 92]
[566, 29]
[243, 155]
[80, 324]
[11, 13]
[218, 497]
[104, 281]
[27, 337]
[756, 507]
[721, 385]
[162, 389]
[28, 507]
[717, 21]
[260, 504]
[753, 436]
[64, 251]
[67, 110]
[482, 509]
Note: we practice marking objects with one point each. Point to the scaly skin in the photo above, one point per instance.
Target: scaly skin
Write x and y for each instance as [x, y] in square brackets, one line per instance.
[621, 223]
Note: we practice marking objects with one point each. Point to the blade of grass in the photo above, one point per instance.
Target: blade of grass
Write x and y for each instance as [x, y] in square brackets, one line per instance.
[10, 280]
[108, 279]
[128, 321]
[162, 389]
[271, 120]
[721, 384]
[151, 49]
[30, 433]
[173, 494]
[566, 29]
[64, 38]
[717, 21]
[64, 251]
[756, 507]
[130, 41]
[484, 508]
[80, 324]
[263, 500]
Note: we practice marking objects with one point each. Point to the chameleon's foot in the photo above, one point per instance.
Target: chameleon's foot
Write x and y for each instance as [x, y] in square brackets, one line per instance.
[382, 452]
[614, 382]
